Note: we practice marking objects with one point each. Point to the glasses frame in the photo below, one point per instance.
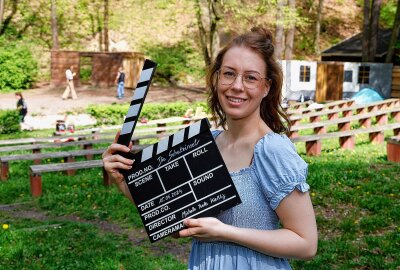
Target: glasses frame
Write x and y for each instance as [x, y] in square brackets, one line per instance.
[241, 75]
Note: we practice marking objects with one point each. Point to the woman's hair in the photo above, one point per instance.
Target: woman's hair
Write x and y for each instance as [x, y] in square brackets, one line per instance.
[19, 94]
[260, 41]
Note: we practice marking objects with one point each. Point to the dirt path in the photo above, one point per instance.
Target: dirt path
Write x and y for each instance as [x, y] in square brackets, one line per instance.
[47, 101]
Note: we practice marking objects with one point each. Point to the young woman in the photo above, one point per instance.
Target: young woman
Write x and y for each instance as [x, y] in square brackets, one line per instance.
[276, 220]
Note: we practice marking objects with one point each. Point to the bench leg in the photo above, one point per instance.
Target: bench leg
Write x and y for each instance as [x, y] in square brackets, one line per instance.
[377, 137]
[396, 116]
[347, 113]
[293, 134]
[295, 122]
[344, 126]
[313, 148]
[320, 130]
[314, 119]
[35, 151]
[373, 108]
[396, 132]
[4, 171]
[161, 125]
[361, 110]
[393, 152]
[382, 119]
[347, 142]
[86, 147]
[332, 116]
[72, 171]
[365, 122]
[36, 185]
[106, 179]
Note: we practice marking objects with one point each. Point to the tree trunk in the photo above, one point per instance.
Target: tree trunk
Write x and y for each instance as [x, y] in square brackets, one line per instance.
[366, 32]
[395, 34]
[1, 12]
[208, 17]
[290, 33]
[54, 30]
[376, 7]
[7, 21]
[106, 15]
[318, 27]
[279, 30]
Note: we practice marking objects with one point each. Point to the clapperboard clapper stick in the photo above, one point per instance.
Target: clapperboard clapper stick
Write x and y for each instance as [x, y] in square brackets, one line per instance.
[182, 176]
[135, 108]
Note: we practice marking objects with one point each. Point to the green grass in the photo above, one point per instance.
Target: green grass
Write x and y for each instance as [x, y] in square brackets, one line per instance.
[355, 196]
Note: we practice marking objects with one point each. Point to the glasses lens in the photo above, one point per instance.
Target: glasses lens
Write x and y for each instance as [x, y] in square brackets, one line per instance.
[251, 80]
[227, 76]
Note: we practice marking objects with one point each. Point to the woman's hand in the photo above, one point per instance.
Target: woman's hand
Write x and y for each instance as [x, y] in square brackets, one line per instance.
[204, 229]
[112, 162]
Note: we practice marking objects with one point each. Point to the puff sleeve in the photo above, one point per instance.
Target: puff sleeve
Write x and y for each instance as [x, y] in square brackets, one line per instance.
[278, 168]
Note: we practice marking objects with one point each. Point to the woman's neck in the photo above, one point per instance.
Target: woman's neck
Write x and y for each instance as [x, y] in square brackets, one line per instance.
[246, 128]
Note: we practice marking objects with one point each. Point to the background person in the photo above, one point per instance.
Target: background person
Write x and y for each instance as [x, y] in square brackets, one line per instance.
[22, 107]
[70, 74]
[120, 81]
[276, 220]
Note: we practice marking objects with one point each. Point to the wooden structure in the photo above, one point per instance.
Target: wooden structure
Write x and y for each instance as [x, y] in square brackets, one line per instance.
[396, 82]
[393, 149]
[329, 81]
[103, 65]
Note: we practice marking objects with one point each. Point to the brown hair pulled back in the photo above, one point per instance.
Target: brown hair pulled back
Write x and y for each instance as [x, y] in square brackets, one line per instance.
[260, 41]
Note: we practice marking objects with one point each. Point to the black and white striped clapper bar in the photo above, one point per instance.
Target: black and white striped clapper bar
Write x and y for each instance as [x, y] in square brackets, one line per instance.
[182, 176]
[139, 96]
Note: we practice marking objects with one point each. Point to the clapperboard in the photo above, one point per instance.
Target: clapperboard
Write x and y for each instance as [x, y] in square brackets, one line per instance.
[182, 176]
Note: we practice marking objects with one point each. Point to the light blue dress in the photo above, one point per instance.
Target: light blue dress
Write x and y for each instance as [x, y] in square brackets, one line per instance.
[276, 170]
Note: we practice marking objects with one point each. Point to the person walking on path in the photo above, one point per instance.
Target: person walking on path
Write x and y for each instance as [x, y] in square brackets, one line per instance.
[22, 107]
[69, 74]
[120, 81]
[275, 220]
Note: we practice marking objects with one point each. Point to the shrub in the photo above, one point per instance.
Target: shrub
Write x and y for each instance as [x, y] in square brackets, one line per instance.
[18, 68]
[114, 114]
[9, 121]
[176, 63]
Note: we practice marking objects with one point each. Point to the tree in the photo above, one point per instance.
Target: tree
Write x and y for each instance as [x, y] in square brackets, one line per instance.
[318, 27]
[1, 12]
[279, 30]
[106, 16]
[395, 34]
[290, 32]
[7, 20]
[370, 29]
[208, 16]
[54, 30]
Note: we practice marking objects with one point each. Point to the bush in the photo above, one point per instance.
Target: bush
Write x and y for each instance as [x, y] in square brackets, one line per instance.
[176, 63]
[9, 121]
[18, 68]
[114, 114]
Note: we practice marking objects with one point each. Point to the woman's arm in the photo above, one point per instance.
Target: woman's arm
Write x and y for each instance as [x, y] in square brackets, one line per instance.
[297, 239]
[113, 162]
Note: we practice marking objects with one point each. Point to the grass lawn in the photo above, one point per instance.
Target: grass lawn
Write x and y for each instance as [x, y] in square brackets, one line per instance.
[80, 224]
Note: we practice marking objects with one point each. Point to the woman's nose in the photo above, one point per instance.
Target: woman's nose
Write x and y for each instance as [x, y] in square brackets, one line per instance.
[238, 82]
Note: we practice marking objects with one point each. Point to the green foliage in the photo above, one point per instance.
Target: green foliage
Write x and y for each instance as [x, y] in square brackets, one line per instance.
[388, 13]
[18, 68]
[176, 63]
[9, 121]
[114, 114]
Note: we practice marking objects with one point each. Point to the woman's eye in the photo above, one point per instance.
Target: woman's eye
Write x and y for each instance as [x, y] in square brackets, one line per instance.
[250, 78]
[229, 74]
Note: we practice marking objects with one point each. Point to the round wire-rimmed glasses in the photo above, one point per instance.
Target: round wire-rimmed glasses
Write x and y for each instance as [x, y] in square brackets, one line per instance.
[250, 79]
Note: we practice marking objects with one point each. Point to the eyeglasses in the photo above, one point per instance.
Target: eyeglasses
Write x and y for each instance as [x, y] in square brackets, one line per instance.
[250, 79]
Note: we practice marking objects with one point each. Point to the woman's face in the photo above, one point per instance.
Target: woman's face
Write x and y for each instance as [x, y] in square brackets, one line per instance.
[242, 84]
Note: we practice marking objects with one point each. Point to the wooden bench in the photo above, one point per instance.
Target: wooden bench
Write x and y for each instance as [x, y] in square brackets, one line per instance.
[330, 105]
[36, 171]
[346, 111]
[346, 138]
[393, 149]
[344, 123]
[68, 156]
